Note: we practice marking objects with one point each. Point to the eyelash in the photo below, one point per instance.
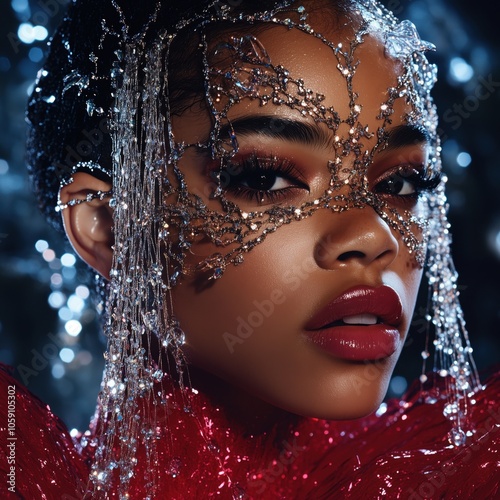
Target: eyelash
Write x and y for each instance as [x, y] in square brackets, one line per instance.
[279, 167]
[418, 179]
[282, 167]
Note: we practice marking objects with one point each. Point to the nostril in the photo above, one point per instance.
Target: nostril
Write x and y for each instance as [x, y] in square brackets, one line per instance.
[351, 255]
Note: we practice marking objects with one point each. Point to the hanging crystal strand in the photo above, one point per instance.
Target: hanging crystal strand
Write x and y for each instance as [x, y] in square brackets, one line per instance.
[121, 329]
[153, 168]
[453, 352]
[135, 301]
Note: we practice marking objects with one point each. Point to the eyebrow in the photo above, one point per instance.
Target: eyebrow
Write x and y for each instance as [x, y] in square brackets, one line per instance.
[279, 128]
[313, 134]
[406, 135]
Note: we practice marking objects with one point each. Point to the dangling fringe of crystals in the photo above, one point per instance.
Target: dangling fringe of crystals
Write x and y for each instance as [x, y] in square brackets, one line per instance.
[138, 304]
[453, 351]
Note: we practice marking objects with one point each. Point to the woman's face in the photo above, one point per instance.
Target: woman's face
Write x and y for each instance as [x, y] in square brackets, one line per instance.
[314, 319]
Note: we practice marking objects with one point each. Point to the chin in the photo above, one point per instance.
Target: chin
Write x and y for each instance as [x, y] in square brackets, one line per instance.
[348, 411]
[346, 401]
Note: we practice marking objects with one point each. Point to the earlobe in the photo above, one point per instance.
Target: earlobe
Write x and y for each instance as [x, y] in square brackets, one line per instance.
[89, 225]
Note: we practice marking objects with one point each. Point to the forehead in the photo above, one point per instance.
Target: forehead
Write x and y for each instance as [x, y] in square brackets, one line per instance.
[363, 78]
[311, 60]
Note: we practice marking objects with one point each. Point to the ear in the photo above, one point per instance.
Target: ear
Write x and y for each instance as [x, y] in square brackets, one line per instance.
[89, 225]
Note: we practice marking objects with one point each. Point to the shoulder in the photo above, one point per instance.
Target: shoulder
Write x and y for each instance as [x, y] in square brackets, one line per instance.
[405, 452]
[38, 454]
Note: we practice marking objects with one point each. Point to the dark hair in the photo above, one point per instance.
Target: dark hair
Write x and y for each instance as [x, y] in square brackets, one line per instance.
[68, 110]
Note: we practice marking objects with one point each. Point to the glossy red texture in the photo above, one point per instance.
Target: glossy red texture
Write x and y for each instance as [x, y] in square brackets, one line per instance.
[359, 342]
[382, 302]
[404, 453]
[46, 461]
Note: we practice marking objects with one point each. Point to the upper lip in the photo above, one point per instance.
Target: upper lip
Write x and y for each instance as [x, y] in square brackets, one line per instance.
[383, 302]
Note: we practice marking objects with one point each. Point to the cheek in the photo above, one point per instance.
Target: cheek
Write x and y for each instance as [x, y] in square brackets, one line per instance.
[219, 316]
[253, 309]
[406, 277]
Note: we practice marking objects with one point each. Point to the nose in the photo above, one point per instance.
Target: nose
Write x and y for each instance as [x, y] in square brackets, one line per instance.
[356, 237]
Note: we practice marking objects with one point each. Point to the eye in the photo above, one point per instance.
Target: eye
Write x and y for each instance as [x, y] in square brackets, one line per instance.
[265, 181]
[407, 182]
[397, 184]
[262, 179]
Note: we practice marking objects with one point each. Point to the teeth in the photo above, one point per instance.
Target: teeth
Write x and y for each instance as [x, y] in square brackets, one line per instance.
[360, 319]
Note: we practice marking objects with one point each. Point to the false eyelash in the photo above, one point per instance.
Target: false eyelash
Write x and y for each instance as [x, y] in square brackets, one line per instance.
[418, 178]
[281, 167]
[424, 183]
[421, 182]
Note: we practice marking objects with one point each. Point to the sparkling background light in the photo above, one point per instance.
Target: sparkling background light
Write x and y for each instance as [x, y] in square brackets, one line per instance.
[76, 304]
[57, 300]
[41, 246]
[464, 159]
[65, 314]
[68, 260]
[20, 6]
[49, 255]
[35, 54]
[67, 355]
[398, 385]
[73, 327]
[28, 33]
[58, 370]
[460, 70]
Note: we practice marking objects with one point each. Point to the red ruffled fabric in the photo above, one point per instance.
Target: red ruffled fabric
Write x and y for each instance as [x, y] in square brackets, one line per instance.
[38, 458]
[403, 453]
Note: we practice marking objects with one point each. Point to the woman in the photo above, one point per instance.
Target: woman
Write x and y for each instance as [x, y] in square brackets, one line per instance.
[259, 187]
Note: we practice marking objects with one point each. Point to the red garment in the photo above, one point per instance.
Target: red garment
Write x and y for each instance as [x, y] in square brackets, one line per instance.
[37, 446]
[403, 453]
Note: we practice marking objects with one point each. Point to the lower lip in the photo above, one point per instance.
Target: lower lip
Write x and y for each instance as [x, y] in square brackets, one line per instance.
[358, 343]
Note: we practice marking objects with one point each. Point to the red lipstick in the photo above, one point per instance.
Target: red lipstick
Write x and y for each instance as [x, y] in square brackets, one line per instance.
[361, 324]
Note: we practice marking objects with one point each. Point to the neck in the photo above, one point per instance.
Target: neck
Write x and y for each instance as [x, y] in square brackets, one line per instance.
[253, 415]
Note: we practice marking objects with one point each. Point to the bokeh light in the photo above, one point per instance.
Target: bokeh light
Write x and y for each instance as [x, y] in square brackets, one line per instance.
[28, 33]
[68, 260]
[4, 167]
[464, 159]
[58, 370]
[73, 327]
[57, 300]
[460, 70]
[67, 355]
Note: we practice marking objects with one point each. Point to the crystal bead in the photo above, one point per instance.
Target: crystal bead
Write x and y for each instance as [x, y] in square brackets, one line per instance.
[457, 437]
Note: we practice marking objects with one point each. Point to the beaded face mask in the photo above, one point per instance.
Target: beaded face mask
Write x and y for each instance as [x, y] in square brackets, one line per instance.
[160, 218]
[240, 70]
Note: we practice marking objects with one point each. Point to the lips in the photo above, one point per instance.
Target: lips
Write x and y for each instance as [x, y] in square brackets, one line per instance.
[361, 324]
